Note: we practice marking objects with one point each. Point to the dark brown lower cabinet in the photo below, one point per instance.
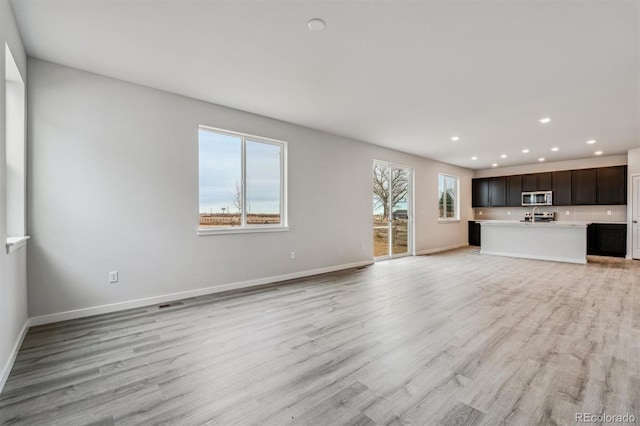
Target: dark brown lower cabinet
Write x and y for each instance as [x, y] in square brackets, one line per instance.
[474, 233]
[607, 239]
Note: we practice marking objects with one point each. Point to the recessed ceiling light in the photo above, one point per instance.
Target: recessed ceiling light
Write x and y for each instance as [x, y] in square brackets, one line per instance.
[503, 156]
[316, 24]
[525, 151]
[598, 153]
[591, 142]
[541, 159]
[494, 165]
[544, 120]
[455, 138]
[474, 158]
[555, 148]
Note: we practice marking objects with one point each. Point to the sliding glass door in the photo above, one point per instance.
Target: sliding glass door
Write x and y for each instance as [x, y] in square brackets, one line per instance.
[392, 207]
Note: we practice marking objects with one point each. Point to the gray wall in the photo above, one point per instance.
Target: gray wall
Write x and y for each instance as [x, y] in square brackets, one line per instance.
[113, 185]
[13, 279]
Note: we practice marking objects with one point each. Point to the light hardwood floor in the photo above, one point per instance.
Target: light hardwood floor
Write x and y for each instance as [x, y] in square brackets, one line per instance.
[453, 338]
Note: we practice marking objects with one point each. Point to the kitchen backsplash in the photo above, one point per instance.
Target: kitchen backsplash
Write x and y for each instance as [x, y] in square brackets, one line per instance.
[579, 213]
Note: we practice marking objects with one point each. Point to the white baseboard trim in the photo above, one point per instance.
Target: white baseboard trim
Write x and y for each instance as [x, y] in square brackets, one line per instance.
[138, 303]
[6, 370]
[439, 249]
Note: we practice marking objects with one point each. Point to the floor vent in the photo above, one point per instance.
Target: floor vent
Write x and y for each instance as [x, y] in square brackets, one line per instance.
[170, 305]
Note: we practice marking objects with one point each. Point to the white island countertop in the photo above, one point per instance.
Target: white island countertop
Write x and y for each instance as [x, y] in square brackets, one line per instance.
[560, 241]
[555, 223]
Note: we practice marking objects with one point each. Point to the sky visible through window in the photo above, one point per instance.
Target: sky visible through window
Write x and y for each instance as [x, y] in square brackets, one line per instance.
[221, 174]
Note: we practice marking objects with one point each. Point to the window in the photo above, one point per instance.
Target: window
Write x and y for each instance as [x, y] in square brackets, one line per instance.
[242, 183]
[448, 197]
[15, 153]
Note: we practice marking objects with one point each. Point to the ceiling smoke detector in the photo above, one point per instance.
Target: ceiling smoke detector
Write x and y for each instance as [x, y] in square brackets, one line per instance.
[316, 24]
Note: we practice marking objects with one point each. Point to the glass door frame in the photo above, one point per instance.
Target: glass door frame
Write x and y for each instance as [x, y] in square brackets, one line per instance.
[410, 211]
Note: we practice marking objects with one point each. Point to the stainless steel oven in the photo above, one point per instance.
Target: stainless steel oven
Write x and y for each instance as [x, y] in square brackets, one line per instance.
[538, 198]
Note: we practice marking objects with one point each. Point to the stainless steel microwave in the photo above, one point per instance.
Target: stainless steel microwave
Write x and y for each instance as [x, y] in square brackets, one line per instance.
[538, 198]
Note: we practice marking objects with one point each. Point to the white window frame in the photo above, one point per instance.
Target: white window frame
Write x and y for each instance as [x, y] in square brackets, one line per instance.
[456, 217]
[245, 228]
[15, 154]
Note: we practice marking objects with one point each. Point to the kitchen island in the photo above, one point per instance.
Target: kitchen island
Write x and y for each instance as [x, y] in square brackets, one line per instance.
[560, 241]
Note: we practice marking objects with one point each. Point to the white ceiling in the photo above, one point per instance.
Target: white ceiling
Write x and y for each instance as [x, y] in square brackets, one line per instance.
[402, 74]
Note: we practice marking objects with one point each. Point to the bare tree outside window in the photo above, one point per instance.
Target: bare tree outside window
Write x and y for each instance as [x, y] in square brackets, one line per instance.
[397, 180]
[236, 202]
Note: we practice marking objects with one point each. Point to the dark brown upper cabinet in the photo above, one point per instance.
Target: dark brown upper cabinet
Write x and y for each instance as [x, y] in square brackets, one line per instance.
[480, 192]
[514, 191]
[611, 185]
[562, 188]
[583, 183]
[498, 191]
[536, 182]
[604, 186]
[489, 192]
[544, 181]
[529, 183]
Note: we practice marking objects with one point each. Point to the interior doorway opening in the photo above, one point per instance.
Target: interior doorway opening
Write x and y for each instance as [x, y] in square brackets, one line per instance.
[392, 210]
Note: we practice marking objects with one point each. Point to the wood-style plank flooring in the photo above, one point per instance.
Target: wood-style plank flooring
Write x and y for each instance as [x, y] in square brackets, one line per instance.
[453, 338]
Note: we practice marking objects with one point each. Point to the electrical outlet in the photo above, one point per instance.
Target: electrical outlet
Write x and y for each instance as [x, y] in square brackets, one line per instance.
[293, 255]
[113, 277]
[608, 212]
[567, 212]
[480, 212]
[509, 212]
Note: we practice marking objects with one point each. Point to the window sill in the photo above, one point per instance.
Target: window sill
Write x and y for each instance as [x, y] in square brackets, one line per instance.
[223, 231]
[448, 220]
[14, 243]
